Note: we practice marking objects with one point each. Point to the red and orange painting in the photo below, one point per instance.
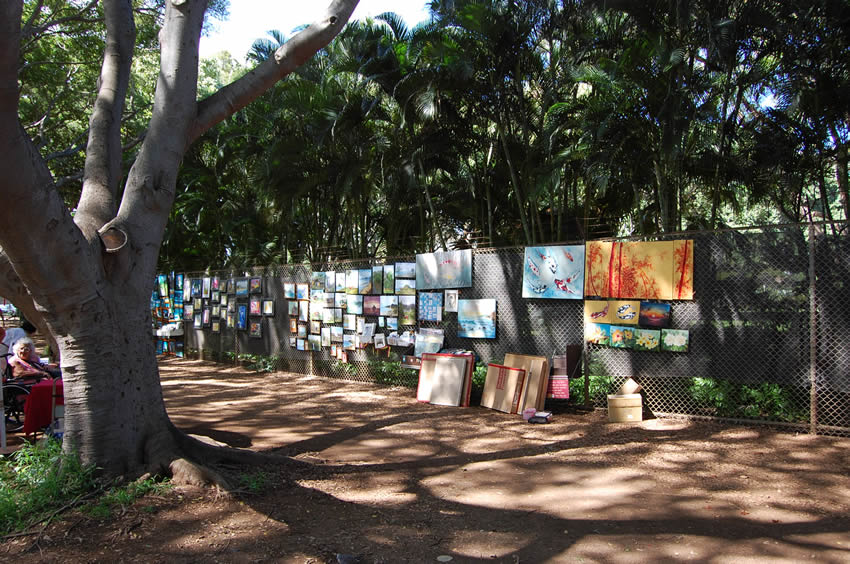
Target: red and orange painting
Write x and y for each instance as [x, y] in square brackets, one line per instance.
[658, 270]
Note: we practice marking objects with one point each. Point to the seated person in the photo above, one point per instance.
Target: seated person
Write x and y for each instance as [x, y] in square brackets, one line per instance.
[13, 334]
[27, 364]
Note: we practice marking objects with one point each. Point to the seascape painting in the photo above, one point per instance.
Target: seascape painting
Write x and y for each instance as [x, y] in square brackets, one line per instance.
[654, 314]
[405, 270]
[364, 281]
[389, 306]
[553, 272]
[476, 319]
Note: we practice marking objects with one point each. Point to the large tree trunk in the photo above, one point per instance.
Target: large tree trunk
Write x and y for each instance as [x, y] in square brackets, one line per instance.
[89, 277]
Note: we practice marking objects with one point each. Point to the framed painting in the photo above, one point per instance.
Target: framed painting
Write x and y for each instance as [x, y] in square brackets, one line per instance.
[597, 333]
[371, 305]
[351, 281]
[317, 281]
[340, 282]
[405, 286]
[389, 306]
[188, 311]
[336, 334]
[293, 342]
[451, 301]
[315, 342]
[198, 303]
[647, 339]
[207, 316]
[315, 327]
[328, 315]
[230, 319]
[198, 320]
[377, 279]
[293, 326]
[349, 322]
[302, 330]
[268, 308]
[187, 291]
[405, 270]
[444, 269]
[223, 299]
[216, 311]
[242, 317]
[622, 337]
[254, 307]
[178, 282]
[407, 310]
[348, 341]
[330, 282]
[340, 299]
[196, 287]
[354, 304]
[389, 278]
[654, 314]
[289, 290]
[255, 285]
[326, 336]
[303, 310]
[300, 344]
[162, 284]
[216, 326]
[553, 272]
[302, 291]
[364, 281]
[216, 283]
[241, 287]
[207, 287]
[392, 323]
[476, 319]
[675, 340]
[430, 306]
[292, 307]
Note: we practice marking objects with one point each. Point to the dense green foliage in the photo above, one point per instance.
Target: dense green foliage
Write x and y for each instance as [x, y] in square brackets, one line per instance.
[499, 121]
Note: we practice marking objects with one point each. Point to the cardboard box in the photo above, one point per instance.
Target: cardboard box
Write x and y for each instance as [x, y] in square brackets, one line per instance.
[503, 388]
[625, 408]
[536, 378]
[445, 379]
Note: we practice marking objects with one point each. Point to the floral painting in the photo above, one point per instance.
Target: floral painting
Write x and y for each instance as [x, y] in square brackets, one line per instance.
[622, 337]
[597, 333]
[647, 340]
[675, 340]
[553, 272]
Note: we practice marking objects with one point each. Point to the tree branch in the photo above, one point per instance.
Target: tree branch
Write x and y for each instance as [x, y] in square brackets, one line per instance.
[103, 153]
[292, 54]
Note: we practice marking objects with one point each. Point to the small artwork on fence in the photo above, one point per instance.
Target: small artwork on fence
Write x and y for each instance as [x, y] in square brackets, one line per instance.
[242, 287]
[254, 306]
[255, 285]
[622, 337]
[289, 290]
[476, 319]
[647, 340]
[654, 314]
[242, 317]
[597, 333]
[675, 340]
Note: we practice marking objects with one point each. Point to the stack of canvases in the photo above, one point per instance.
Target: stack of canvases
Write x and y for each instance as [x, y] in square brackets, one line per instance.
[517, 384]
[445, 379]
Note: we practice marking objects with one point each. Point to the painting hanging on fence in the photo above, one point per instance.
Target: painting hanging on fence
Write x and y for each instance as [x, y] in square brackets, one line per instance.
[354, 304]
[405, 270]
[196, 287]
[364, 281]
[407, 310]
[340, 282]
[187, 290]
[430, 306]
[392, 322]
[303, 310]
[242, 317]
[216, 326]
[348, 341]
[302, 330]
[351, 279]
[241, 287]
[597, 311]
[675, 340]
[349, 322]
[622, 337]
[553, 272]
[377, 279]
[654, 314]
[405, 286]
[389, 278]
[254, 306]
[326, 336]
[371, 305]
[389, 305]
[340, 299]
[647, 339]
[328, 315]
[255, 285]
[651, 270]
[268, 308]
[317, 281]
[293, 307]
[476, 319]
[451, 301]
[597, 333]
[315, 327]
[302, 291]
[256, 328]
[330, 281]
[624, 312]
[289, 290]
[188, 311]
[293, 326]
[207, 287]
[444, 269]
[336, 334]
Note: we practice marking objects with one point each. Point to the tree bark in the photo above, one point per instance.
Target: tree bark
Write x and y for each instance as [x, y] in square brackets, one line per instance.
[91, 292]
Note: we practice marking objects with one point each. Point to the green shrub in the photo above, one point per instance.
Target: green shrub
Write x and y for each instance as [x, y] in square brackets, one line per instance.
[600, 385]
[392, 373]
[727, 399]
[37, 480]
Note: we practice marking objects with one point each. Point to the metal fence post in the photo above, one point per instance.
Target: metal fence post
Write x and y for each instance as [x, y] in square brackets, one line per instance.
[813, 348]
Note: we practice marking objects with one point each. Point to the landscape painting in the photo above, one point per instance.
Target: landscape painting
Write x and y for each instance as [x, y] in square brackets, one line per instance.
[476, 319]
[389, 306]
[371, 305]
[407, 310]
[654, 314]
[389, 278]
[405, 270]
[553, 272]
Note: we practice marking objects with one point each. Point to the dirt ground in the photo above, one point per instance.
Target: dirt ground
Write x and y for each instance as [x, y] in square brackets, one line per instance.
[392, 480]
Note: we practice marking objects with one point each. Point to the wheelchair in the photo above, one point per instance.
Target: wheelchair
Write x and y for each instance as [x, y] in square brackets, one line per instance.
[15, 392]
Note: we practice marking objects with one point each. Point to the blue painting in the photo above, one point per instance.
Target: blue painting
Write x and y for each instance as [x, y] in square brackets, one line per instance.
[553, 272]
[476, 319]
[430, 306]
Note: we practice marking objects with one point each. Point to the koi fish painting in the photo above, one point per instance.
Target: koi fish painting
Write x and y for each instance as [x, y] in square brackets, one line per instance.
[553, 272]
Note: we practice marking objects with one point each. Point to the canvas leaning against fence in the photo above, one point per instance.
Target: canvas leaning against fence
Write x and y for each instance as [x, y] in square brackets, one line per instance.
[716, 324]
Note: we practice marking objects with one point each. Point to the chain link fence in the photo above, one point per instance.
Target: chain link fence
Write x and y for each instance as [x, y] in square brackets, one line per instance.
[767, 330]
